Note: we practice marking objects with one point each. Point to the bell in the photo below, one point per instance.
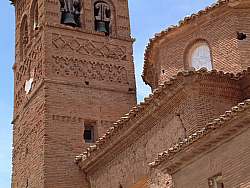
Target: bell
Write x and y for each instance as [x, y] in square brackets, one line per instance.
[69, 19]
[100, 27]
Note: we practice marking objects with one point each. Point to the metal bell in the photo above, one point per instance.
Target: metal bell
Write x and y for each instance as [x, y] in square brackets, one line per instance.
[101, 27]
[69, 19]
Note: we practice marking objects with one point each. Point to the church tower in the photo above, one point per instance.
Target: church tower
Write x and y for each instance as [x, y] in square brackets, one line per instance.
[74, 76]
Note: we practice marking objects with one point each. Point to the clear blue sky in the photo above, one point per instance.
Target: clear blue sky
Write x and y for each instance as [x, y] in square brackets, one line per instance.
[147, 18]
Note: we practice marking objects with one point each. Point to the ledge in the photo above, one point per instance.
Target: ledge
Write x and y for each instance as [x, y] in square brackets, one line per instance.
[117, 133]
[182, 152]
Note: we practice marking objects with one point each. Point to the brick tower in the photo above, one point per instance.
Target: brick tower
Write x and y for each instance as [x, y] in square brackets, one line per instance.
[74, 76]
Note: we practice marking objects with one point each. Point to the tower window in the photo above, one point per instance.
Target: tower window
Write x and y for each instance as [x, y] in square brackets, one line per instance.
[36, 24]
[199, 56]
[102, 13]
[34, 16]
[24, 35]
[70, 12]
[89, 131]
[216, 182]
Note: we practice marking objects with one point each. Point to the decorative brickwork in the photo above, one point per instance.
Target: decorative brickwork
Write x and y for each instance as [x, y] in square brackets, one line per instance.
[87, 70]
[167, 52]
[88, 47]
[171, 114]
[66, 77]
[73, 84]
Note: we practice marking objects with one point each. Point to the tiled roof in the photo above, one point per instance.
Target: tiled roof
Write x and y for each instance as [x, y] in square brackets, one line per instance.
[209, 128]
[186, 20]
[123, 123]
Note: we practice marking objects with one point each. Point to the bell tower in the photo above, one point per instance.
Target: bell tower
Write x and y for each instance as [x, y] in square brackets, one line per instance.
[74, 76]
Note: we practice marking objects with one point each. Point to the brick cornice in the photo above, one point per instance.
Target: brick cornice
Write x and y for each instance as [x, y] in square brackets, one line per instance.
[121, 130]
[158, 37]
[207, 138]
[80, 30]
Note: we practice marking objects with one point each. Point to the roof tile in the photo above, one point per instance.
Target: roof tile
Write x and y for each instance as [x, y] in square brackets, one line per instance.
[186, 20]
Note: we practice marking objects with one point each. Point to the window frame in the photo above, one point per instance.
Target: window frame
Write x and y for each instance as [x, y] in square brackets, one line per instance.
[92, 126]
[113, 31]
[190, 49]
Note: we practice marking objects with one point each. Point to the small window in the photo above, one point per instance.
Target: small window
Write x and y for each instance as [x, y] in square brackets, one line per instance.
[89, 131]
[216, 182]
[200, 56]
[36, 22]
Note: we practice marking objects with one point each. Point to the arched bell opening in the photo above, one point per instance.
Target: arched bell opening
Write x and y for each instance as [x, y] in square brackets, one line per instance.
[24, 37]
[70, 12]
[103, 15]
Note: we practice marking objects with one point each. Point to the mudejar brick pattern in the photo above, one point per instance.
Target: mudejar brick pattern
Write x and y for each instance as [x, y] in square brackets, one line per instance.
[76, 122]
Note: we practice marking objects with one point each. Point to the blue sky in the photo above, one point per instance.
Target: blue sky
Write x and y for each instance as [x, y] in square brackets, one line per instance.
[147, 18]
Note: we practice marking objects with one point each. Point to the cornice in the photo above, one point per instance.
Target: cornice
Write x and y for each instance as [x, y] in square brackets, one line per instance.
[90, 32]
[186, 21]
[151, 104]
[210, 135]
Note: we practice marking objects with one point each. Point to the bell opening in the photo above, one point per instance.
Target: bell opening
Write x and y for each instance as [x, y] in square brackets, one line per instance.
[102, 27]
[68, 19]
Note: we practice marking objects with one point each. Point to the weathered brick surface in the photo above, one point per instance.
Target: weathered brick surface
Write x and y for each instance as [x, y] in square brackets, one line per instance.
[244, 26]
[220, 34]
[85, 76]
[80, 75]
[188, 110]
[28, 143]
[231, 159]
[218, 28]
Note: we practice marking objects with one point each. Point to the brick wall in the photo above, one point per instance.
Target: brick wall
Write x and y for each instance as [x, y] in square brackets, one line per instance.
[202, 99]
[90, 79]
[244, 27]
[68, 108]
[87, 77]
[219, 29]
[219, 32]
[28, 143]
[231, 159]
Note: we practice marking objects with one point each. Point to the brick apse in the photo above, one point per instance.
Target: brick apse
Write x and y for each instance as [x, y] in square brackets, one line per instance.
[76, 122]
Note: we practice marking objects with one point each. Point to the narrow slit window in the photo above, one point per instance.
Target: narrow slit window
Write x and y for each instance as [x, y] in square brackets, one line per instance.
[89, 132]
[36, 17]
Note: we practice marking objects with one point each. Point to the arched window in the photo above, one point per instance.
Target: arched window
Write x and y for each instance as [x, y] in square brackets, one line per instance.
[24, 37]
[102, 13]
[34, 13]
[36, 17]
[70, 12]
[199, 56]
